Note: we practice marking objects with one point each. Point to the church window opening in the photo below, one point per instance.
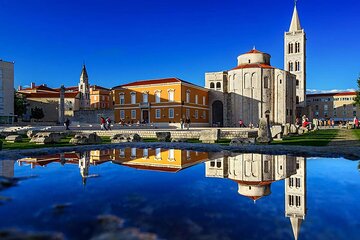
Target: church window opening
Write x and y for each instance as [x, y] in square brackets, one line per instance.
[291, 182]
[297, 182]
[212, 164]
[297, 201]
[212, 85]
[297, 47]
[291, 48]
[249, 61]
[297, 83]
[218, 86]
[266, 82]
[297, 66]
[291, 66]
[291, 200]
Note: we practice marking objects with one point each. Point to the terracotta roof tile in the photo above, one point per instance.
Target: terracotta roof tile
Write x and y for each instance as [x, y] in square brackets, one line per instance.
[253, 65]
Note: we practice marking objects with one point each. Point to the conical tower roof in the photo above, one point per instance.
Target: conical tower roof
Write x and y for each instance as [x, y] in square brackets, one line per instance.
[295, 225]
[83, 74]
[295, 21]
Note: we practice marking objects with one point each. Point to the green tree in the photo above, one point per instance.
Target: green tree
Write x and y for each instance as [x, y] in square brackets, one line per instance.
[37, 113]
[357, 98]
[19, 104]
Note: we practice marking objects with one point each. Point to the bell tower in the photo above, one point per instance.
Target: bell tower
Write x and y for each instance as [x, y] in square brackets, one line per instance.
[84, 89]
[295, 58]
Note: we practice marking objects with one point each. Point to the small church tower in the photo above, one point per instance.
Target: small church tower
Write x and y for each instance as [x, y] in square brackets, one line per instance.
[295, 196]
[84, 89]
[295, 58]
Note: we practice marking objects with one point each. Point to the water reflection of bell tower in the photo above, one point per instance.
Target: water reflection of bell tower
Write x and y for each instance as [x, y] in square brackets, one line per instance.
[84, 163]
[295, 196]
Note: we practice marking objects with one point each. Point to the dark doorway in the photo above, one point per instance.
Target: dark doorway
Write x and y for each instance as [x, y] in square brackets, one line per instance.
[145, 116]
[217, 113]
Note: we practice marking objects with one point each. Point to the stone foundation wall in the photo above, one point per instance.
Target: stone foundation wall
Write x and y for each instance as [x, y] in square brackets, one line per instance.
[191, 134]
[91, 116]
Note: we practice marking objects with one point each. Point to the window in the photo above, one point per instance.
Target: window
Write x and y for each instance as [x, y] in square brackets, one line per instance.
[133, 114]
[218, 85]
[103, 98]
[187, 113]
[133, 152]
[196, 114]
[297, 47]
[291, 48]
[122, 114]
[95, 98]
[218, 164]
[326, 107]
[188, 96]
[171, 95]
[291, 200]
[145, 97]
[157, 113]
[297, 100]
[133, 98]
[297, 201]
[266, 82]
[196, 99]
[188, 155]
[171, 155]
[171, 113]
[145, 153]
[291, 66]
[157, 96]
[212, 85]
[204, 100]
[291, 182]
[122, 99]
[122, 153]
[297, 66]
[158, 153]
[212, 164]
[297, 83]
[297, 182]
[204, 114]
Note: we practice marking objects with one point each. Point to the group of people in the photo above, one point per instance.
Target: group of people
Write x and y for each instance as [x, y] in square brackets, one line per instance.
[105, 124]
[187, 122]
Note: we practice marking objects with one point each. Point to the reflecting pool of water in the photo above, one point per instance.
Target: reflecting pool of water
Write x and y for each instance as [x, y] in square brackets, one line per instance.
[179, 194]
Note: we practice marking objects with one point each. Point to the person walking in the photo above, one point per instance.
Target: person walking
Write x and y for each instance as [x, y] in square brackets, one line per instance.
[108, 123]
[102, 123]
[356, 122]
[188, 123]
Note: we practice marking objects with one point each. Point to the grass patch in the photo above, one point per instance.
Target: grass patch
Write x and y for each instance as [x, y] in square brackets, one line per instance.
[26, 144]
[317, 138]
[357, 133]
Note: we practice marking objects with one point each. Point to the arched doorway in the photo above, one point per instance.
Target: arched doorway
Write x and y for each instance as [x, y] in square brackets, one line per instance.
[217, 113]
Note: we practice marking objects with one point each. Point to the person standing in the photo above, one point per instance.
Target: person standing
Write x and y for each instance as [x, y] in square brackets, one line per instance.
[182, 123]
[67, 124]
[356, 122]
[188, 123]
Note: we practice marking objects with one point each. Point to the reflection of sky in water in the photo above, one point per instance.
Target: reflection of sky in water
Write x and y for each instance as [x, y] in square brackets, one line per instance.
[182, 205]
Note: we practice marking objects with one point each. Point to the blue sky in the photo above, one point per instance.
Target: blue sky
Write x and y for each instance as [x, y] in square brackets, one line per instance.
[128, 40]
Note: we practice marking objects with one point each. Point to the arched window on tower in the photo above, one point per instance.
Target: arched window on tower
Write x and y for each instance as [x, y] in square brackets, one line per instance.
[218, 85]
[291, 66]
[297, 66]
[212, 85]
[266, 82]
[291, 48]
[297, 47]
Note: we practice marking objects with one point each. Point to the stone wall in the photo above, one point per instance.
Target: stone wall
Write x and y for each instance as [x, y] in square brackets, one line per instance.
[91, 116]
[191, 134]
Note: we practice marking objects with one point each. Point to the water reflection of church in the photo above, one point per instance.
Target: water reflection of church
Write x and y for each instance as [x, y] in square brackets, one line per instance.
[254, 174]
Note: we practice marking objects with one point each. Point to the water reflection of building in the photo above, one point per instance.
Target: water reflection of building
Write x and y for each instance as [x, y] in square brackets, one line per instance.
[7, 168]
[295, 196]
[254, 174]
[167, 160]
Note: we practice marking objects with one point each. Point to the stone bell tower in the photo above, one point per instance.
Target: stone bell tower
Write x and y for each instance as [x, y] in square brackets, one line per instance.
[84, 89]
[295, 58]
